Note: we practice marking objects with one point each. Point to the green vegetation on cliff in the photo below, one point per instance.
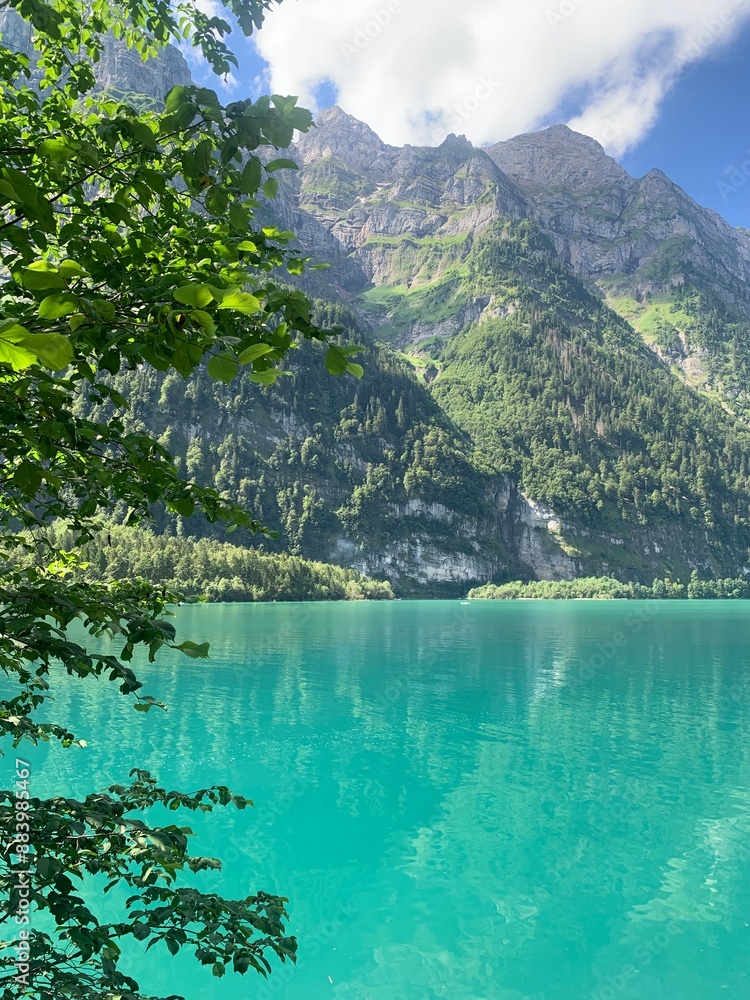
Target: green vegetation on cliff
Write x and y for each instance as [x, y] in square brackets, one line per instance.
[542, 382]
[554, 387]
[607, 588]
[322, 462]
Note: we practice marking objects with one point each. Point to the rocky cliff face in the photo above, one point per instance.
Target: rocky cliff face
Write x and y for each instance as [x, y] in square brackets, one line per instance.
[119, 69]
[605, 223]
[122, 71]
[602, 222]
[558, 158]
[361, 190]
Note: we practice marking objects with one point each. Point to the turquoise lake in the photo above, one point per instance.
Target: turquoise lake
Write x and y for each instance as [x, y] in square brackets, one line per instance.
[527, 801]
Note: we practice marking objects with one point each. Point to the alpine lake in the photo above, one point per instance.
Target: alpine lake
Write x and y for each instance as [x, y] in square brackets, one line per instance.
[475, 801]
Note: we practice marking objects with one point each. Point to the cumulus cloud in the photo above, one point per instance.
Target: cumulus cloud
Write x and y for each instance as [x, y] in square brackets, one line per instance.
[417, 69]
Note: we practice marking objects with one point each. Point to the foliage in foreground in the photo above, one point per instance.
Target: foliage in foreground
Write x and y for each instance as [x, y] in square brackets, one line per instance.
[218, 571]
[607, 588]
[126, 239]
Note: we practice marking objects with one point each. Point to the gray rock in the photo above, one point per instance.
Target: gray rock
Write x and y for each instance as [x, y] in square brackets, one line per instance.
[119, 69]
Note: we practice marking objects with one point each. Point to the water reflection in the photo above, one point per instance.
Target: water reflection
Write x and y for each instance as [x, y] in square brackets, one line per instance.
[502, 801]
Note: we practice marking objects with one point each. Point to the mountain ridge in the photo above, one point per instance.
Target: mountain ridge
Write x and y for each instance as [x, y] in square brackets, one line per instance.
[554, 373]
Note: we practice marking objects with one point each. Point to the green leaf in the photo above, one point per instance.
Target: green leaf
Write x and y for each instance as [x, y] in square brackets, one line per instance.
[56, 150]
[239, 216]
[271, 188]
[217, 201]
[105, 309]
[252, 175]
[52, 349]
[55, 306]
[223, 368]
[185, 507]
[354, 369]
[267, 377]
[75, 321]
[336, 361]
[254, 352]
[143, 134]
[15, 355]
[176, 97]
[41, 276]
[186, 358]
[12, 331]
[281, 164]
[194, 650]
[28, 478]
[235, 298]
[181, 119]
[24, 189]
[204, 320]
[196, 294]
[205, 96]
[71, 269]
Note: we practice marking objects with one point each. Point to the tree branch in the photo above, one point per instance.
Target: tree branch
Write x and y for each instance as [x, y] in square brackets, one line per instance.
[98, 170]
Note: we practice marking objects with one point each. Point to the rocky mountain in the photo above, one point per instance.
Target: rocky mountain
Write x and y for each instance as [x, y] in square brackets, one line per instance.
[678, 272]
[453, 254]
[120, 70]
[556, 360]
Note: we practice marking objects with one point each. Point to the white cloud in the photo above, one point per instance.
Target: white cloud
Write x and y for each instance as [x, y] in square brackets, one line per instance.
[417, 69]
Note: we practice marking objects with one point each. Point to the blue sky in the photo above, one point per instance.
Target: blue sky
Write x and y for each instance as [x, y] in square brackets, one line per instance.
[691, 120]
[703, 128]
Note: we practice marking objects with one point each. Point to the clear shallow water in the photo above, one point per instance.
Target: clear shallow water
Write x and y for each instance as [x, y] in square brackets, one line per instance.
[476, 802]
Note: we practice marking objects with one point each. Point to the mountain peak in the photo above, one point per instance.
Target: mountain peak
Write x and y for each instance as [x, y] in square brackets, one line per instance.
[457, 140]
[335, 115]
[342, 137]
[540, 160]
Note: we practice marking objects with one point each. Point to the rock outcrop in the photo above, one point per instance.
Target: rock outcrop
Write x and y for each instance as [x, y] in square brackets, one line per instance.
[119, 69]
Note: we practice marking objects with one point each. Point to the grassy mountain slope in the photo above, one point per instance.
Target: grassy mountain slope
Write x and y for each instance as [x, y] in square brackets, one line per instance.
[556, 389]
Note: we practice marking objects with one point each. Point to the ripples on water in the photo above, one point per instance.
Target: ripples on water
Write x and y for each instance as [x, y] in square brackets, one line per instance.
[479, 802]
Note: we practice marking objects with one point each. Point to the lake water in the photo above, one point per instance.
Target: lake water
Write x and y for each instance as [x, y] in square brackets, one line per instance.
[476, 802]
